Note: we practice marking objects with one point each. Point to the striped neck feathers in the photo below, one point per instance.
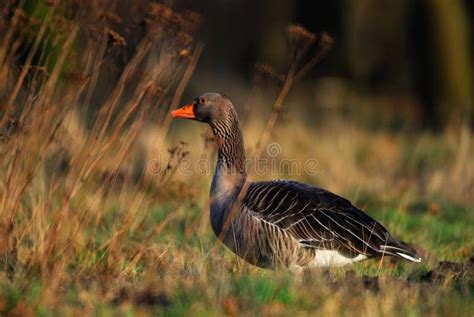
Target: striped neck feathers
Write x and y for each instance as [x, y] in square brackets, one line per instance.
[231, 151]
[230, 174]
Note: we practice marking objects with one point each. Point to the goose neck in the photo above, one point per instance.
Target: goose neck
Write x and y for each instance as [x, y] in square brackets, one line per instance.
[230, 174]
[230, 148]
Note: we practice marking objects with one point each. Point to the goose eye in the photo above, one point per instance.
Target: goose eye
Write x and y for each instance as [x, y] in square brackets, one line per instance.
[202, 100]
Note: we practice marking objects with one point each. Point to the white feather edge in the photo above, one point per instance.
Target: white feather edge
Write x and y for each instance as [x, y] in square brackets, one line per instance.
[410, 258]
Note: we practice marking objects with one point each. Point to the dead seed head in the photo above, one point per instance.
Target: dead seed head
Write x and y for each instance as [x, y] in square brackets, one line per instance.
[269, 71]
[192, 17]
[173, 150]
[115, 38]
[155, 90]
[24, 18]
[185, 53]
[159, 10]
[21, 14]
[299, 33]
[326, 39]
[162, 14]
[184, 38]
[110, 17]
[62, 23]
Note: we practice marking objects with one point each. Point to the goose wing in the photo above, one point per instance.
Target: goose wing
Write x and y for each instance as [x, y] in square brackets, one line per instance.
[319, 219]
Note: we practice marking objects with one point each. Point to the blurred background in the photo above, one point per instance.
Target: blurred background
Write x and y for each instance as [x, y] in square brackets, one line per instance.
[393, 96]
[394, 63]
[411, 62]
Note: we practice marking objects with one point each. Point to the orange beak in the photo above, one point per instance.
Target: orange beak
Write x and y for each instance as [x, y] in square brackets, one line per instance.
[186, 112]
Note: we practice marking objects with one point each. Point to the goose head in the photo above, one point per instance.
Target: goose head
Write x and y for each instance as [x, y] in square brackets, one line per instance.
[217, 111]
[209, 107]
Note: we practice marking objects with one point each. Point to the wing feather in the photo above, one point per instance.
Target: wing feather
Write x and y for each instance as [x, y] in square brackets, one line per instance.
[316, 218]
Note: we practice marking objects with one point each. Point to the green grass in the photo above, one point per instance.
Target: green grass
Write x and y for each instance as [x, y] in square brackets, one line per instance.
[198, 286]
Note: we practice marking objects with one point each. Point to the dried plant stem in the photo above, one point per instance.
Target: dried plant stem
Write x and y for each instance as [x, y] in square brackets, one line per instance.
[10, 32]
[105, 115]
[291, 78]
[325, 48]
[48, 89]
[179, 92]
[276, 109]
[30, 57]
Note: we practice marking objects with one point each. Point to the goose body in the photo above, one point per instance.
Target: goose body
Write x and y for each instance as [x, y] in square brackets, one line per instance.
[282, 223]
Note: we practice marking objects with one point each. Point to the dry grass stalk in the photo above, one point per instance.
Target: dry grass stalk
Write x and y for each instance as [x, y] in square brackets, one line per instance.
[67, 202]
[300, 42]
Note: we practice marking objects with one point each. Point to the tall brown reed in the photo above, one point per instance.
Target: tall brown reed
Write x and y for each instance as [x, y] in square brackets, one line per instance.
[60, 177]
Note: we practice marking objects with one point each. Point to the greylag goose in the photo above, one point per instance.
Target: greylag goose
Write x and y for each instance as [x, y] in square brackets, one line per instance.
[282, 223]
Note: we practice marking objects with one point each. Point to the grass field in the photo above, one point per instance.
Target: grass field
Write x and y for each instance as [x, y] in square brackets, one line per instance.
[99, 216]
